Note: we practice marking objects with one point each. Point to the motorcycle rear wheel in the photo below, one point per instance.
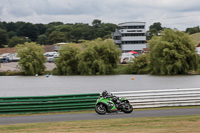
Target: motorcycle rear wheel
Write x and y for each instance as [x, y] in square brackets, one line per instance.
[128, 108]
[100, 109]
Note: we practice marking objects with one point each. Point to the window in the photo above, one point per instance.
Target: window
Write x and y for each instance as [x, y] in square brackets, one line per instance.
[133, 34]
[133, 27]
[133, 42]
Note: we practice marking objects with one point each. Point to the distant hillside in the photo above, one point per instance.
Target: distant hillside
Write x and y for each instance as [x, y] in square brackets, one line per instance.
[196, 38]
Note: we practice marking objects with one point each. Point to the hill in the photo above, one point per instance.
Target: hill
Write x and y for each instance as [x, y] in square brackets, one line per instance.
[196, 38]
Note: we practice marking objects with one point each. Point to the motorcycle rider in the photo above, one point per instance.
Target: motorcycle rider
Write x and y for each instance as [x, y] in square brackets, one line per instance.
[108, 103]
[115, 99]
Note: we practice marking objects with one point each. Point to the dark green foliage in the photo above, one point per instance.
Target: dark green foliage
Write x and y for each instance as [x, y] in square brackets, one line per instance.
[140, 65]
[15, 40]
[56, 37]
[67, 63]
[105, 30]
[172, 53]
[96, 23]
[122, 69]
[154, 29]
[56, 32]
[11, 34]
[192, 30]
[99, 57]
[3, 38]
[198, 70]
[28, 30]
[42, 39]
[41, 28]
[32, 59]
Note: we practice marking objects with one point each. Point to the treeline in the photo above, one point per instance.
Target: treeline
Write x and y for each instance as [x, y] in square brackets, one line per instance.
[156, 28]
[13, 33]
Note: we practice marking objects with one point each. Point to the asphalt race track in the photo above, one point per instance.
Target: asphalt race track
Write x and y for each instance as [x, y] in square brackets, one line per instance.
[94, 116]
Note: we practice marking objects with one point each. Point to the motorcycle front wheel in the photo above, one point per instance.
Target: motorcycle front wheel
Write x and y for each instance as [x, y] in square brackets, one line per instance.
[100, 109]
[128, 108]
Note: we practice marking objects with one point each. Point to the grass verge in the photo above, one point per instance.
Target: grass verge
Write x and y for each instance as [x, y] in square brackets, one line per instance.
[176, 124]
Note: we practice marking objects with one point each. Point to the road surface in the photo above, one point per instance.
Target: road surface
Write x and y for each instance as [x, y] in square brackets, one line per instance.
[94, 116]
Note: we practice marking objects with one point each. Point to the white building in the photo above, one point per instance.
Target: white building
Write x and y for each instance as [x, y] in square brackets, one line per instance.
[198, 49]
[130, 36]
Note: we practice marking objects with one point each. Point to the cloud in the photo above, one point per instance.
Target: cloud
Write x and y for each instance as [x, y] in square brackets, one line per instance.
[168, 12]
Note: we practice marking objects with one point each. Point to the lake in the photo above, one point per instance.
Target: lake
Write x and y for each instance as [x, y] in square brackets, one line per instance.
[63, 85]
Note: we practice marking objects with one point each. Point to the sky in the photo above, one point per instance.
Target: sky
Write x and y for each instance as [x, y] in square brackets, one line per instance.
[179, 14]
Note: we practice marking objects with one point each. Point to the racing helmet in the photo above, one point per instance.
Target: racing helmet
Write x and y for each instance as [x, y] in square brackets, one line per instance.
[104, 93]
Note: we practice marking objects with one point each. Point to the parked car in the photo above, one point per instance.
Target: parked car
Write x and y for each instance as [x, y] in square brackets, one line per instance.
[10, 56]
[4, 59]
[50, 54]
[126, 57]
[51, 59]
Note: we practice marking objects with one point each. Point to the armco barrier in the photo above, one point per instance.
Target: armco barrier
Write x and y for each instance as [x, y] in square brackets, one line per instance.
[139, 99]
[162, 98]
[32, 104]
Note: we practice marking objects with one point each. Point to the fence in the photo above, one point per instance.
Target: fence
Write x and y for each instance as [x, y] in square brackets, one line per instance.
[47, 103]
[139, 99]
[162, 98]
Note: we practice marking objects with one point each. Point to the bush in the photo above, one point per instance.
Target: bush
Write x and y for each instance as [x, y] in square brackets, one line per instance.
[67, 63]
[172, 53]
[31, 58]
[99, 57]
[140, 65]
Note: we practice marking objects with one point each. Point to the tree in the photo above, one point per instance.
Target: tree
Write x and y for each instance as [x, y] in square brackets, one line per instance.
[172, 53]
[77, 34]
[41, 28]
[3, 38]
[31, 58]
[105, 30]
[28, 30]
[96, 23]
[140, 65]
[54, 24]
[67, 63]
[56, 37]
[98, 57]
[11, 34]
[42, 39]
[15, 40]
[193, 30]
[154, 29]
[11, 26]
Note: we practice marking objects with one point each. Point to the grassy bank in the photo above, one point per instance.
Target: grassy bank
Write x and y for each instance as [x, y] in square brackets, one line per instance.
[178, 124]
[11, 73]
[18, 73]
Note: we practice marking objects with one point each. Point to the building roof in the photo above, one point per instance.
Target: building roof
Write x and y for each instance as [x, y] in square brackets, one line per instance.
[198, 45]
[7, 50]
[132, 23]
[145, 50]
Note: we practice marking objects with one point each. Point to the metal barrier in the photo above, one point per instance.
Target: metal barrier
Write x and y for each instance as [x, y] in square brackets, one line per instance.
[47, 103]
[162, 98]
[139, 99]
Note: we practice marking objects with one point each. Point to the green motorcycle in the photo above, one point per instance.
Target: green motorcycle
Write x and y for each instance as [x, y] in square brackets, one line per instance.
[107, 103]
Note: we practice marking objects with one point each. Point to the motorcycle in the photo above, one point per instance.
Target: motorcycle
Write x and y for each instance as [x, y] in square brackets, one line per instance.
[107, 103]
